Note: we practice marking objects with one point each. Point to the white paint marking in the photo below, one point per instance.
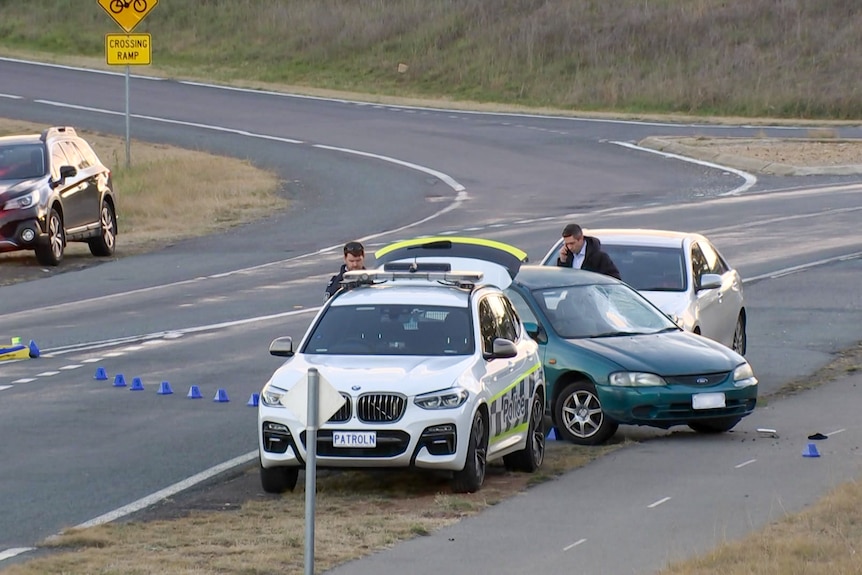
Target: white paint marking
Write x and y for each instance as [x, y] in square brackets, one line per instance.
[836, 432]
[198, 329]
[741, 465]
[72, 366]
[750, 179]
[567, 547]
[115, 354]
[5, 387]
[25, 380]
[47, 373]
[132, 348]
[659, 502]
[168, 491]
[9, 553]
[91, 360]
[794, 269]
[405, 107]
[11, 96]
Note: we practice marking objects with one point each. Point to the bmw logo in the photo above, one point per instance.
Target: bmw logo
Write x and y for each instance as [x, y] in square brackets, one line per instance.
[702, 380]
[356, 387]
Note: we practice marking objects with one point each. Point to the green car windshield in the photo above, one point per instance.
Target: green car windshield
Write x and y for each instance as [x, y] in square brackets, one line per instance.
[603, 310]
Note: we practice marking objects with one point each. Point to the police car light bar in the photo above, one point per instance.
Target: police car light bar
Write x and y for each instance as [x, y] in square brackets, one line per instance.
[459, 278]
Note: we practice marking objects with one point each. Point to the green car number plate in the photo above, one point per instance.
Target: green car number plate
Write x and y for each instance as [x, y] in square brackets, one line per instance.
[707, 400]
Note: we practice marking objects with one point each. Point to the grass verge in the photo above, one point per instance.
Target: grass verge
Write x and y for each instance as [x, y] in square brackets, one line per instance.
[358, 512]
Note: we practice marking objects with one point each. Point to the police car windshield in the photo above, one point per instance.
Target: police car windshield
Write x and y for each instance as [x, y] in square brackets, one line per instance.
[392, 330]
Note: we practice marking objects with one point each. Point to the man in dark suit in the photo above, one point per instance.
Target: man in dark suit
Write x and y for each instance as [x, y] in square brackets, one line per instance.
[584, 252]
[354, 259]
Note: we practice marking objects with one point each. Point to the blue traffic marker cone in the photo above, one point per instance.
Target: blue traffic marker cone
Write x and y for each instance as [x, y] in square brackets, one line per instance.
[137, 384]
[253, 400]
[119, 380]
[194, 392]
[810, 451]
[100, 374]
[221, 396]
[34, 349]
[165, 388]
[552, 435]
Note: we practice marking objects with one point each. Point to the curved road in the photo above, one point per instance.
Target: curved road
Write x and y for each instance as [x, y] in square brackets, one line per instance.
[202, 312]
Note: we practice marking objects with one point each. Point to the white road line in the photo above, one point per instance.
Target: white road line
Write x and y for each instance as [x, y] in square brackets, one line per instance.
[115, 354]
[836, 432]
[11, 96]
[145, 502]
[802, 267]
[72, 366]
[25, 380]
[750, 179]
[132, 348]
[575, 544]
[659, 502]
[91, 360]
[47, 373]
[744, 463]
[9, 553]
[5, 387]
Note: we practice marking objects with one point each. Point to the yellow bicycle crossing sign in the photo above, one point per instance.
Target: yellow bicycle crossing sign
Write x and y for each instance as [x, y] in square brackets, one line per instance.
[128, 13]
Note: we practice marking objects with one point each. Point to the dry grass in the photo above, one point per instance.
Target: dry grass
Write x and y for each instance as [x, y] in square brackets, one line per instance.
[778, 58]
[826, 538]
[358, 512]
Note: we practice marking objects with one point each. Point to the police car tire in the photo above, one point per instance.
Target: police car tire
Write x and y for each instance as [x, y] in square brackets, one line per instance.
[584, 391]
[470, 479]
[531, 457]
[278, 479]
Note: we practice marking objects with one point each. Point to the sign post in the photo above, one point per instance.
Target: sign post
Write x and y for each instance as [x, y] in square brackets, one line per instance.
[319, 400]
[128, 49]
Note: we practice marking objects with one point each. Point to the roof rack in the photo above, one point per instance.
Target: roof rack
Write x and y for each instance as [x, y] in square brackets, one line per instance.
[57, 130]
[461, 279]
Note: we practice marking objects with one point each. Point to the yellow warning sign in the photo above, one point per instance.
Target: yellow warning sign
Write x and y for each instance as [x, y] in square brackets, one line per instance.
[128, 13]
[128, 49]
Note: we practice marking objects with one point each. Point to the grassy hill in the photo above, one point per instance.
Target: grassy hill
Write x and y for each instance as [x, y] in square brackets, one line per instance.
[779, 58]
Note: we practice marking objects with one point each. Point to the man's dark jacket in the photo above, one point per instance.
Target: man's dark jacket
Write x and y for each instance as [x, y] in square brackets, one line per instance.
[595, 260]
[335, 282]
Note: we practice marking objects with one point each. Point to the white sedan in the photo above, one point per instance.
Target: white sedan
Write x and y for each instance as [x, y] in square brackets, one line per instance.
[681, 273]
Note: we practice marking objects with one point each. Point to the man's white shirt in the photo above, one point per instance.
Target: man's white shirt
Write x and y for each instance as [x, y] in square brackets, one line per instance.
[579, 257]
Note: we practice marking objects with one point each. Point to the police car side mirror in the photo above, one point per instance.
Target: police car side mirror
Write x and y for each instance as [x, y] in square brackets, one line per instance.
[503, 348]
[281, 347]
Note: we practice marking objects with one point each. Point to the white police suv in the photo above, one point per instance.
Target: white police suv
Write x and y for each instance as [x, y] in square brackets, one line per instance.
[433, 363]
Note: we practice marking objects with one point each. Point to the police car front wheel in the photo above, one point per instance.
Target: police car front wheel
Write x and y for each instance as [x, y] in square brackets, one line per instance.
[470, 478]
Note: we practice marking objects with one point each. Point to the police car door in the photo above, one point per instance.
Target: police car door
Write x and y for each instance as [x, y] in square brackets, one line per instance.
[509, 397]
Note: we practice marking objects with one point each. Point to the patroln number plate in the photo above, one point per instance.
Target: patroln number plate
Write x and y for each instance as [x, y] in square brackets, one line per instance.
[354, 439]
[707, 400]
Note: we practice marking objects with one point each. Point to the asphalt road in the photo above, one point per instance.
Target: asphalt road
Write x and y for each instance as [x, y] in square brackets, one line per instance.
[202, 312]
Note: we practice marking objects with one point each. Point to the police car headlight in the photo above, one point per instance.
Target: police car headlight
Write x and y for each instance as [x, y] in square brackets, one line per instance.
[743, 376]
[446, 399]
[635, 379]
[271, 396]
[22, 202]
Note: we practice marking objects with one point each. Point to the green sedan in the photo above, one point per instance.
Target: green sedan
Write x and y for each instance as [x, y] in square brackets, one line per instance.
[610, 357]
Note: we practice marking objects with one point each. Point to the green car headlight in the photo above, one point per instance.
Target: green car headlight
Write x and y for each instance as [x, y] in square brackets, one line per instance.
[635, 379]
[743, 376]
[446, 399]
[271, 396]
